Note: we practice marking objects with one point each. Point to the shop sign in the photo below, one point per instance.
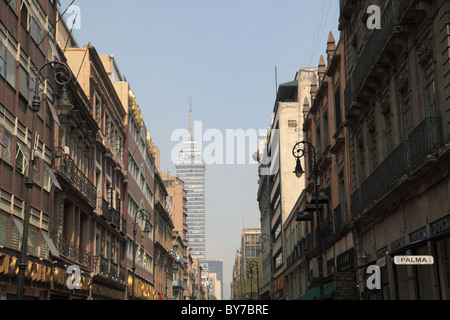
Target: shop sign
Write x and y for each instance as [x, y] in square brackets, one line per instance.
[418, 235]
[346, 286]
[9, 265]
[142, 290]
[413, 260]
[346, 261]
[102, 291]
[440, 226]
[397, 245]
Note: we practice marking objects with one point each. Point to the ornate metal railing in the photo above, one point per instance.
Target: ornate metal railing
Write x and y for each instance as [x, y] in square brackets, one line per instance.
[109, 269]
[390, 17]
[326, 228]
[425, 139]
[66, 167]
[71, 251]
[340, 216]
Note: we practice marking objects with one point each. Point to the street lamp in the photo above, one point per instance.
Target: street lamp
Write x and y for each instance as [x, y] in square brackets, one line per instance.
[298, 153]
[252, 264]
[140, 215]
[62, 76]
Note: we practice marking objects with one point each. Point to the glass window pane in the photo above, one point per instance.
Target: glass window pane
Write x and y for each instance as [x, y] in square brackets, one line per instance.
[11, 69]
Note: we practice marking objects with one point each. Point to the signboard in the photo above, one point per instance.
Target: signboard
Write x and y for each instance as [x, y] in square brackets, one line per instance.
[346, 261]
[441, 226]
[346, 286]
[304, 216]
[311, 207]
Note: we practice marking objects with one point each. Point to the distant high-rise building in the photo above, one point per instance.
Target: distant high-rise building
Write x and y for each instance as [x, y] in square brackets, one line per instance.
[216, 266]
[191, 169]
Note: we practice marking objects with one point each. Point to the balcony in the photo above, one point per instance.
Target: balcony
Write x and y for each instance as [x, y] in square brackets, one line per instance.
[326, 228]
[390, 17]
[178, 284]
[68, 170]
[108, 269]
[71, 251]
[424, 140]
[340, 216]
[111, 215]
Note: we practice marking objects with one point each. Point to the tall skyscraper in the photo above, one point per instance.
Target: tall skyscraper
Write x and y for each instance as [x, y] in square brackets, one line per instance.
[191, 169]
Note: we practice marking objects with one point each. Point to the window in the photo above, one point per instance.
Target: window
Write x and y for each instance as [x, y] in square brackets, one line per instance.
[13, 5]
[24, 16]
[23, 82]
[326, 134]
[98, 109]
[7, 146]
[21, 160]
[11, 69]
[429, 88]
[388, 132]
[337, 106]
[2, 55]
[406, 112]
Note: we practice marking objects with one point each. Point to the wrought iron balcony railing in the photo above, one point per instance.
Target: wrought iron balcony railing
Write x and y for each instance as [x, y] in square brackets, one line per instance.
[178, 284]
[71, 251]
[340, 216]
[66, 167]
[424, 140]
[390, 17]
[111, 215]
[109, 269]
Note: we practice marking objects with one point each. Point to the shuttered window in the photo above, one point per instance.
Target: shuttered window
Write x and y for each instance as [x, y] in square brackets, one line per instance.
[15, 238]
[4, 228]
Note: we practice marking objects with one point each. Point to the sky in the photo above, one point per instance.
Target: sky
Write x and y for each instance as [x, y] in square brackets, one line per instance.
[224, 55]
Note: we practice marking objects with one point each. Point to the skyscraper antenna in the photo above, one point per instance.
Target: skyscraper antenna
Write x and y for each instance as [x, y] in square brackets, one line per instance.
[190, 119]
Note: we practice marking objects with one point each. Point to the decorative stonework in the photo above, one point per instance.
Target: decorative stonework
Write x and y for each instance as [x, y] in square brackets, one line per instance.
[402, 77]
[425, 47]
[385, 103]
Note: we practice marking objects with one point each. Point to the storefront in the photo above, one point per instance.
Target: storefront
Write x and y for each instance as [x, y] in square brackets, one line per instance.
[44, 280]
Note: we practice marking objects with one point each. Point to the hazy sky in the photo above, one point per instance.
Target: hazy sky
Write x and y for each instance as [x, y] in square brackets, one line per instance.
[223, 54]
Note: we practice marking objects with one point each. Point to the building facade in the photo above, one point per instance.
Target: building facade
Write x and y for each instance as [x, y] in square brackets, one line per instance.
[216, 266]
[279, 188]
[140, 187]
[109, 171]
[23, 51]
[164, 255]
[396, 105]
[178, 195]
[329, 234]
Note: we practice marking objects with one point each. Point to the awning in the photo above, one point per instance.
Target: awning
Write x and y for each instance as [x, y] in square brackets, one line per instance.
[51, 245]
[52, 177]
[19, 226]
[313, 294]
